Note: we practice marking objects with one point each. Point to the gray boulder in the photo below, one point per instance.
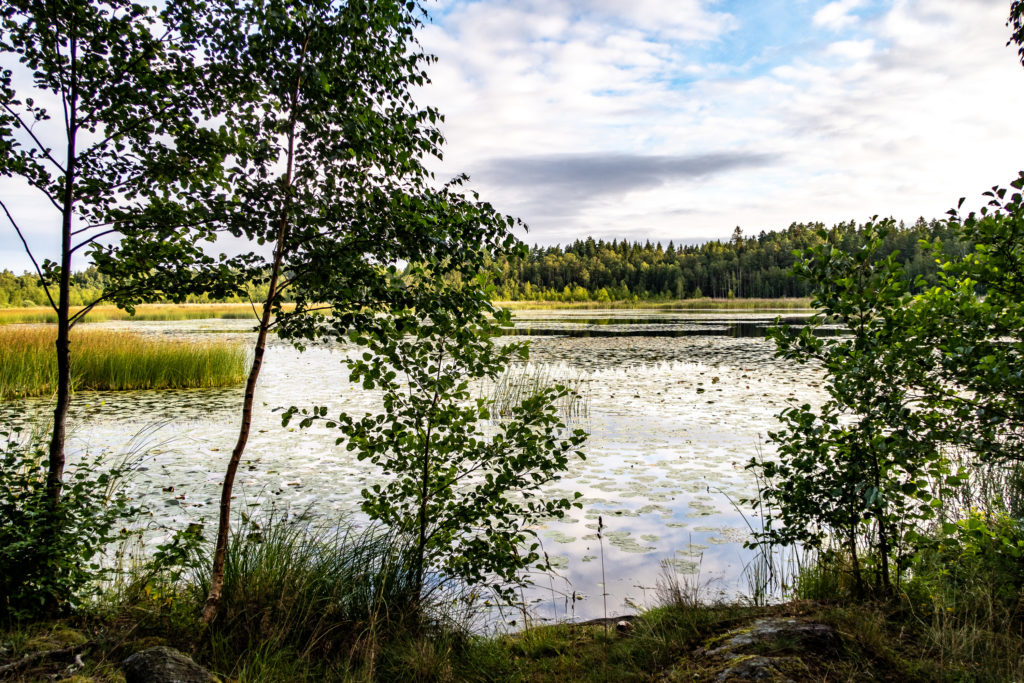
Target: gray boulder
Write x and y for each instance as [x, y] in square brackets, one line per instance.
[778, 650]
[165, 665]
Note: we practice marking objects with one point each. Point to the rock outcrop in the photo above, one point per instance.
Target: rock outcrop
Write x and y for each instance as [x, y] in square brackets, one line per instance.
[165, 665]
[771, 650]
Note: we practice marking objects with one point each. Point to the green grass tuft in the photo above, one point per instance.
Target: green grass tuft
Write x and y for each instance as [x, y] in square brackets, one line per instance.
[521, 382]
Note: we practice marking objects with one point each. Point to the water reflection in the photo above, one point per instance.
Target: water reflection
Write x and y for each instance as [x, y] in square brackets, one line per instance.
[673, 419]
[671, 324]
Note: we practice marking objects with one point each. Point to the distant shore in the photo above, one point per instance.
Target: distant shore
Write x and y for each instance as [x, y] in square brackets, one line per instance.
[705, 303]
[196, 311]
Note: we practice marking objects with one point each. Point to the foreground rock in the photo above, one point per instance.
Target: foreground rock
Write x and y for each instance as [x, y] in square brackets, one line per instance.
[165, 665]
[771, 650]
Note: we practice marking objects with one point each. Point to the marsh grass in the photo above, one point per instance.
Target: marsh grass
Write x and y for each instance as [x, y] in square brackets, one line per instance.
[302, 601]
[521, 382]
[103, 360]
[44, 314]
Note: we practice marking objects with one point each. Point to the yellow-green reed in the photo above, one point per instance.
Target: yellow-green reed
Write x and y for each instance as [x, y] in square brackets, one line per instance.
[44, 314]
[114, 360]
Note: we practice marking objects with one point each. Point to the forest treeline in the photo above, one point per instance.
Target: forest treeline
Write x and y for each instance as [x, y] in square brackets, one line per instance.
[595, 270]
[742, 267]
[87, 286]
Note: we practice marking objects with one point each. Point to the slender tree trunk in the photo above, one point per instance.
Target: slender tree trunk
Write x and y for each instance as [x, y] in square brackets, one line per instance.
[421, 546]
[884, 548]
[884, 545]
[858, 577]
[224, 524]
[424, 495]
[55, 469]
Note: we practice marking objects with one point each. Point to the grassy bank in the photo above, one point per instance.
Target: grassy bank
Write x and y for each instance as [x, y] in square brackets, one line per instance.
[109, 360]
[703, 304]
[306, 604]
[671, 642]
[44, 314]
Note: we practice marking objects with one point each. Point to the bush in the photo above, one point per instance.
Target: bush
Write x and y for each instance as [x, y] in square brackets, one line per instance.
[50, 554]
[984, 551]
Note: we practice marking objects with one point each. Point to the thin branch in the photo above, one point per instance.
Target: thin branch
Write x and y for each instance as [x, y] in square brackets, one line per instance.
[469, 471]
[177, 226]
[93, 226]
[252, 304]
[92, 239]
[77, 317]
[318, 308]
[28, 251]
[117, 133]
[39, 145]
[63, 92]
[46, 193]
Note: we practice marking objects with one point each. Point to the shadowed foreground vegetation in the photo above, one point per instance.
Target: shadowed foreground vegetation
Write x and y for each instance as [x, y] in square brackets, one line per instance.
[308, 604]
[114, 360]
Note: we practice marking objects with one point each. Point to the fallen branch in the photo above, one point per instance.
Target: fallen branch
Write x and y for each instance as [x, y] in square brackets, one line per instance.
[33, 657]
[605, 621]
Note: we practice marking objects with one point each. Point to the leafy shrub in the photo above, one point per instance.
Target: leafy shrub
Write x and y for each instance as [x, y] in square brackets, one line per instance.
[50, 555]
[465, 484]
[985, 550]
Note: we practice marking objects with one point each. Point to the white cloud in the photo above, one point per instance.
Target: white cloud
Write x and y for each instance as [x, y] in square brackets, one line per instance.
[836, 15]
[852, 49]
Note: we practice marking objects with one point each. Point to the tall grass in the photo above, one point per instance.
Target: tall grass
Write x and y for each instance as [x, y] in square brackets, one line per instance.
[313, 591]
[521, 382]
[109, 360]
[302, 601]
[44, 314]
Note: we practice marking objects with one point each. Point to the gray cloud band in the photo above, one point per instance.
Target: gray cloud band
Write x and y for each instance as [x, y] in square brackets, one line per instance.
[579, 176]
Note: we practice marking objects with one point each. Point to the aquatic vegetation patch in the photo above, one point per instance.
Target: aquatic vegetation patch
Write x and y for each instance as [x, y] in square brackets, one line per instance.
[109, 360]
[559, 536]
[522, 382]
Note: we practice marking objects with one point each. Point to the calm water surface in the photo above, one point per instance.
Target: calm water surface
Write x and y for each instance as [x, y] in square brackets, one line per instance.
[678, 403]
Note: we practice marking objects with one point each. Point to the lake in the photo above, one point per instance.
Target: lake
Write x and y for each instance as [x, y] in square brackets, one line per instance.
[677, 403]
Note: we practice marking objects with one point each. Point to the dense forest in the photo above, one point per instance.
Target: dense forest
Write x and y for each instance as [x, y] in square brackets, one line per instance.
[595, 270]
[742, 267]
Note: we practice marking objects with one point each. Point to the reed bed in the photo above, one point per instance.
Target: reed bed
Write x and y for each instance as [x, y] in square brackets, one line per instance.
[44, 314]
[521, 382]
[106, 360]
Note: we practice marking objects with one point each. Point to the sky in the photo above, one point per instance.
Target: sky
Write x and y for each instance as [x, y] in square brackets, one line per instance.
[682, 119]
